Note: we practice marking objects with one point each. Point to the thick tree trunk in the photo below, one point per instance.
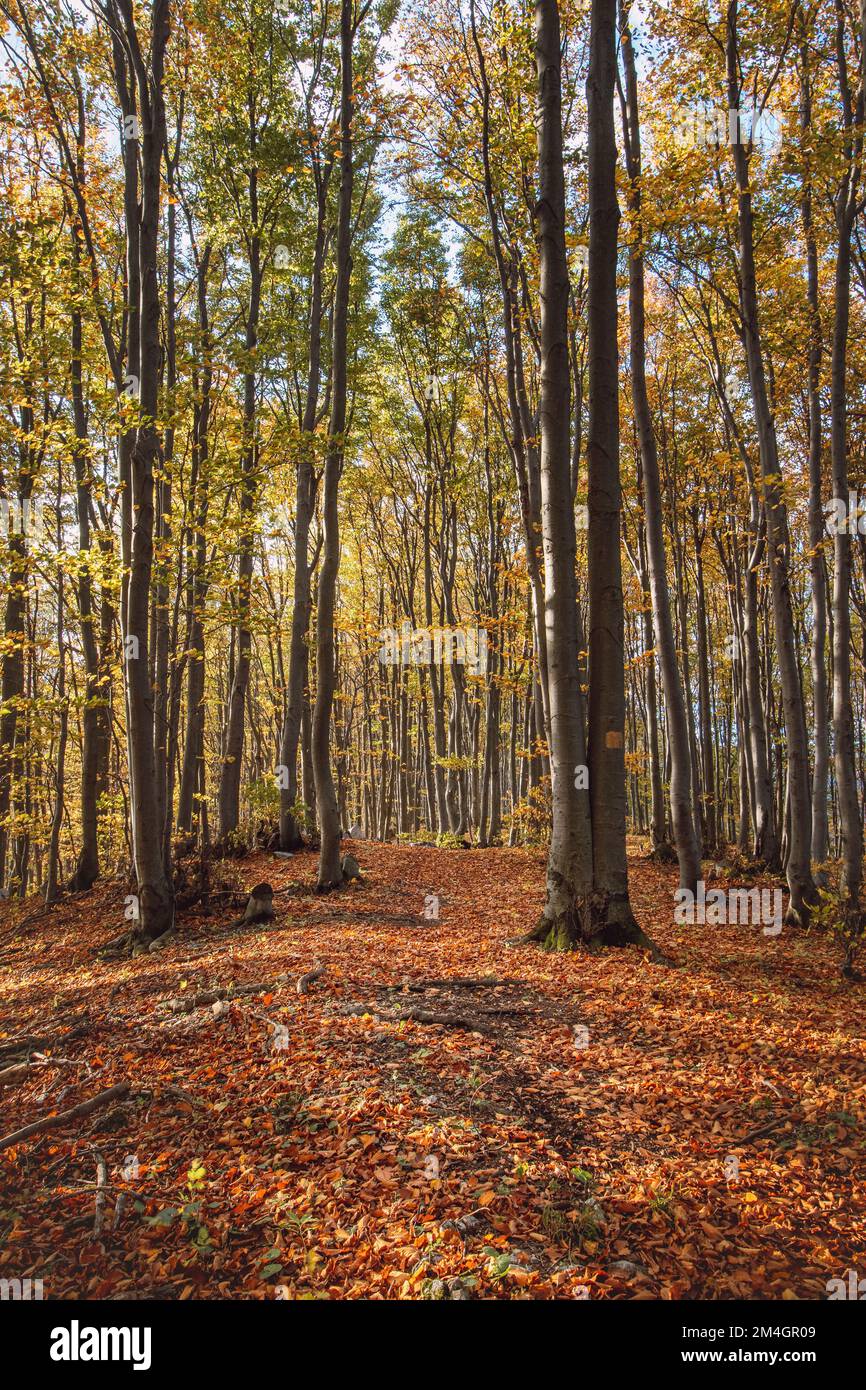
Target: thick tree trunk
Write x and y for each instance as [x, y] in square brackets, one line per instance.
[612, 917]
[569, 862]
[155, 894]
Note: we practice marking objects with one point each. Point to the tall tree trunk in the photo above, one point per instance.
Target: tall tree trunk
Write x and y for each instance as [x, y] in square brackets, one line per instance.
[197, 584]
[846, 209]
[523, 432]
[290, 833]
[52, 876]
[612, 917]
[155, 893]
[708, 781]
[230, 777]
[330, 872]
[87, 867]
[799, 874]
[569, 862]
[685, 838]
[817, 566]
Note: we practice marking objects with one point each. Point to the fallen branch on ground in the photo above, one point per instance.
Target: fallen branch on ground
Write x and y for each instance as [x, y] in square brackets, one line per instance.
[310, 978]
[763, 1130]
[29, 1042]
[77, 1112]
[13, 1076]
[211, 996]
[101, 1180]
[119, 1208]
[458, 982]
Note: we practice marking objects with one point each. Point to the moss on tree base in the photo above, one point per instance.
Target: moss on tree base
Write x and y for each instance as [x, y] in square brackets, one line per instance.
[602, 920]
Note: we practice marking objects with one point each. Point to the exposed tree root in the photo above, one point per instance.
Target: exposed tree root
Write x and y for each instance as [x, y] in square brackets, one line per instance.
[310, 978]
[212, 996]
[663, 854]
[31, 1042]
[331, 886]
[601, 920]
[57, 1121]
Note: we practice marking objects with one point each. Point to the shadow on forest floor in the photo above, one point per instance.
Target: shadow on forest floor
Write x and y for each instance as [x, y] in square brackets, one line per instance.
[438, 1115]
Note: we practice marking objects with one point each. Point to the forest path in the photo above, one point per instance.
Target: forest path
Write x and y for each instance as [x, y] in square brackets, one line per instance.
[576, 1127]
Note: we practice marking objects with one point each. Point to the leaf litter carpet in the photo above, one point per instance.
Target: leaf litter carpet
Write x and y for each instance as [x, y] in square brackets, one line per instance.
[439, 1115]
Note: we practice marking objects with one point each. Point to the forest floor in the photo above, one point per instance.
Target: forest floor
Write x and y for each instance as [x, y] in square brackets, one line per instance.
[580, 1126]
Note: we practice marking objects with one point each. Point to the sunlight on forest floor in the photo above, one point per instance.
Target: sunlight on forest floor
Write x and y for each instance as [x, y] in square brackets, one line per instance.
[577, 1127]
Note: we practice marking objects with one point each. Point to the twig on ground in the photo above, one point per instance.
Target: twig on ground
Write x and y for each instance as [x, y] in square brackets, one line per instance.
[763, 1130]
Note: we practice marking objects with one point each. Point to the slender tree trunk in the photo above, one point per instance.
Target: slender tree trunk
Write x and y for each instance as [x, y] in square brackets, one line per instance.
[330, 872]
[685, 838]
[843, 714]
[817, 566]
[87, 867]
[799, 874]
[197, 585]
[290, 834]
[230, 777]
[51, 883]
[708, 781]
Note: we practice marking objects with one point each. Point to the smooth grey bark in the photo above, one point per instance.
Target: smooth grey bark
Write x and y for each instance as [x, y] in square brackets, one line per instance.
[708, 784]
[93, 714]
[569, 862]
[522, 429]
[612, 917]
[162, 622]
[53, 867]
[657, 817]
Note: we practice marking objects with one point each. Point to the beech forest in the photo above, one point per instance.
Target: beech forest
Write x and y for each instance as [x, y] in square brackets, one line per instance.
[432, 700]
